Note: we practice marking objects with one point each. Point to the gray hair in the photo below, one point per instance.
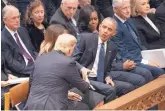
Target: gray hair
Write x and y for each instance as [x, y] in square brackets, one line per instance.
[68, 1]
[8, 9]
[118, 3]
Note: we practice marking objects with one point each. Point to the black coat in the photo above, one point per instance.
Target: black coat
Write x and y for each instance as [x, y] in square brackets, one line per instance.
[60, 18]
[149, 37]
[36, 35]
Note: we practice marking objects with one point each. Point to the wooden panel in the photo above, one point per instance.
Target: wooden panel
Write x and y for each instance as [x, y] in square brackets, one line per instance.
[140, 99]
[161, 106]
[7, 101]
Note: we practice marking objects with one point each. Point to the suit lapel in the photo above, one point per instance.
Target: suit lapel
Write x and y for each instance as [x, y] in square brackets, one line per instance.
[11, 40]
[107, 55]
[95, 42]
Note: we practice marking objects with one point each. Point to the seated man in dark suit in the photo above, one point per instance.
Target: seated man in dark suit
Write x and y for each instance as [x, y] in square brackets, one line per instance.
[66, 16]
[16, 45]
[127, 40]
[95, 53]
[53, 74]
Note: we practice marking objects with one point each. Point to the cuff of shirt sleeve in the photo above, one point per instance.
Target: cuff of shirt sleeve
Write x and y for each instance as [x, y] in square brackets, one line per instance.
[144, 61]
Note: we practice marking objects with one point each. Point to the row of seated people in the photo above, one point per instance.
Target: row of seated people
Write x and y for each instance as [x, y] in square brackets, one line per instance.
[115, 66]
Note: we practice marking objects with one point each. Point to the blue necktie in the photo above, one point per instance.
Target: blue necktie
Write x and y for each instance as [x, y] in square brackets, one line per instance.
[100, 69]
[131, 31]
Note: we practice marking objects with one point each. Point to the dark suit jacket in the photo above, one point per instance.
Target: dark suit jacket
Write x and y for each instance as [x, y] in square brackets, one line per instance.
[160, 16]
[86, 49]
[12, 53]
[128, 48]
[149, 37]
[60, 18]
[53, 74]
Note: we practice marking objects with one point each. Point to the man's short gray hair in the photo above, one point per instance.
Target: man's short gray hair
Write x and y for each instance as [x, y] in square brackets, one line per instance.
[68, 1]
[118, 3]
[7, 9]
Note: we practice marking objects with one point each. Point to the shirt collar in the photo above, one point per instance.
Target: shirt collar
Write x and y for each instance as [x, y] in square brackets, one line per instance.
[122, 20]
[100, 41]
[11, 31]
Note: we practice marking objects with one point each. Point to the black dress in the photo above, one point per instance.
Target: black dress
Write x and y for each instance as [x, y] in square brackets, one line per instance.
[36, 35]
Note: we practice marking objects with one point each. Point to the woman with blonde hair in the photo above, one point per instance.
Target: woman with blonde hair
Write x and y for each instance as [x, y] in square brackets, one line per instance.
[149, 31]
[50, 37]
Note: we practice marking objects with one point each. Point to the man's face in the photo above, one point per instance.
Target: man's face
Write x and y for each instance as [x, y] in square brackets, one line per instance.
[12, 20]
[107, 29]
[69, 9]
[124, 11]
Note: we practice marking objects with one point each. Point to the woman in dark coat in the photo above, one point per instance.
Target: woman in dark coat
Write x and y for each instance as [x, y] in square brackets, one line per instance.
[35, 22]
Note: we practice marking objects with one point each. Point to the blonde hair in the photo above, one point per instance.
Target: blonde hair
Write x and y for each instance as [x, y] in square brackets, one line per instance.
[65, 42]
[134, 12]
[50, 36]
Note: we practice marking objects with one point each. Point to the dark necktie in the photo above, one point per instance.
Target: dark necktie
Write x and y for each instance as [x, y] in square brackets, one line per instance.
[23, 51]
[131, 31]
[74, 26]
[100, 69]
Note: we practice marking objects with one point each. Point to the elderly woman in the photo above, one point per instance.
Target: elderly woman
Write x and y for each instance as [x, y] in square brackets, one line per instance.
[150, 33]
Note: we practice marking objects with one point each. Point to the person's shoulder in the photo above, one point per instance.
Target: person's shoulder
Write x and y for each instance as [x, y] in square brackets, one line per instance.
[87, 35]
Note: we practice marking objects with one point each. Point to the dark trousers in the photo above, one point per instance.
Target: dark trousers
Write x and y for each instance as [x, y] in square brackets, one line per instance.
[76, 105]
[154, 70]
[132, 78]
[109, 91]
[143, 72]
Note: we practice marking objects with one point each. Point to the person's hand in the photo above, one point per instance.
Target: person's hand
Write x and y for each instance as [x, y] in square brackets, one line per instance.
[84, 72]
[152, 10]
[73, 96]
[128, 65]
[4, 83]
[151, 63]
[10, 77]
[109, 81]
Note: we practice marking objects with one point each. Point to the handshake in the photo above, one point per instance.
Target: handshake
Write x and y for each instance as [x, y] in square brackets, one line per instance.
[85, 72]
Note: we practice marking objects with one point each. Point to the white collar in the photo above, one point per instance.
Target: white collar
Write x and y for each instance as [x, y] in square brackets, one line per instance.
[11, 31]
[122, 20]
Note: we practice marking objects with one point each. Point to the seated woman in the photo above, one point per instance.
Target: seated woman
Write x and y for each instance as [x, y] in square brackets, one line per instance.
[150, 33]
[35, 22]
[89, 19]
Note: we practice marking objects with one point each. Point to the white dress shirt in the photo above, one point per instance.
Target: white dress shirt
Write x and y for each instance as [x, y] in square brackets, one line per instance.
[95, 65]
[151, 23]
[12, 33]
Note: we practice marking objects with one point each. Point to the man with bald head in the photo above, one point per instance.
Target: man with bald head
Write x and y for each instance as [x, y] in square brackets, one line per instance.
[95, 53]
[16, 46]
[52, 76]
[66, 15]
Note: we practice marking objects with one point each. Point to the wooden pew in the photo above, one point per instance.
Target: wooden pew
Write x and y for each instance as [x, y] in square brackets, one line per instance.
[142, 98]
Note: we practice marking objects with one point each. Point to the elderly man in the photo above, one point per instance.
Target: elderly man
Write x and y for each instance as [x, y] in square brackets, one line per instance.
[18, 51]
[96, 54]
[128, 41]
[53, 74]
[66, 16]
